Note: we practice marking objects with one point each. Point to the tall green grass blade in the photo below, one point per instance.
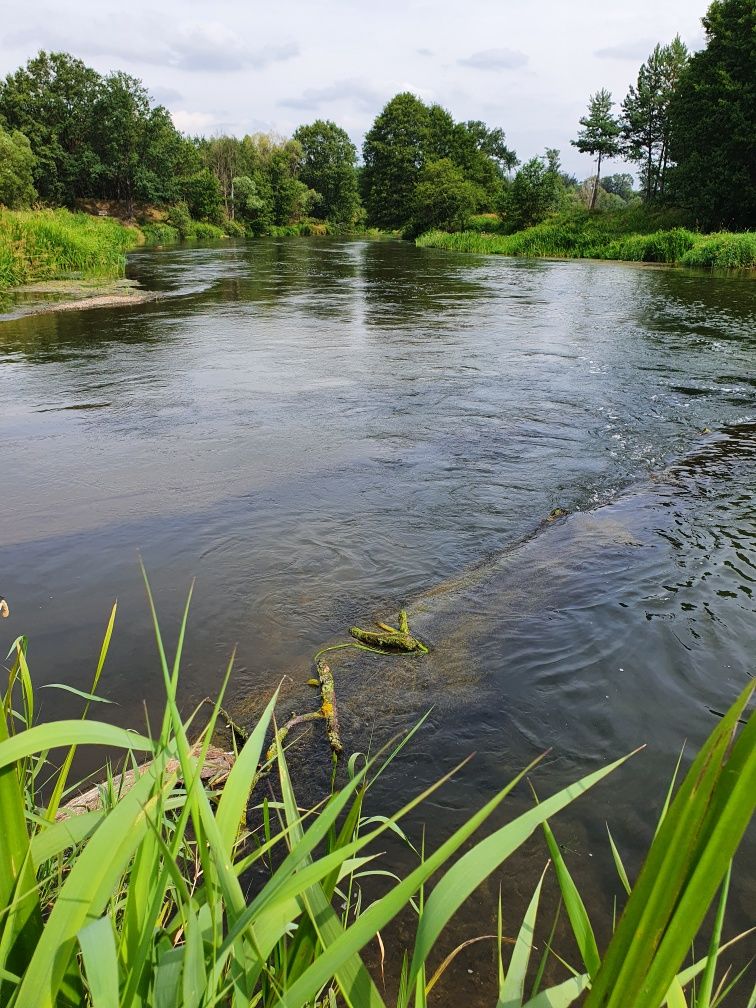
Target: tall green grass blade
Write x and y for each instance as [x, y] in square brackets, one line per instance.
[618, 864]
[91, 697]
[546, 951]
[63, 733]
[733, 803]
[707, 980]
[194, 979]
[670, 792]
[578, 915]
[472, 868]
[562, 995]
[684, 867]
[167, 988]
[676, 996]
[512, 991]
[87, 889]
[241, 780]
[62, 777]
[98, 950]
[356, 984]
[19, 929]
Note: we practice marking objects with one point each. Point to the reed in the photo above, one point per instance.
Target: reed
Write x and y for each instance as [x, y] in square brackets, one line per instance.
[141, 902]
[629, 235]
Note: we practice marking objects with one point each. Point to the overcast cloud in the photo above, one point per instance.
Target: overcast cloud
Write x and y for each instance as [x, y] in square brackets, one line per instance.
[239, 67]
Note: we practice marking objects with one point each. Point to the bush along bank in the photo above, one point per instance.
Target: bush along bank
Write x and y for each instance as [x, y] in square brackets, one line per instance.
[625, 237]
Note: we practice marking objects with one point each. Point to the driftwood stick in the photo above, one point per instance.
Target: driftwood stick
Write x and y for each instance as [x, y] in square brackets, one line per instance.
[280, 737]
[215, 770]
[328, 710]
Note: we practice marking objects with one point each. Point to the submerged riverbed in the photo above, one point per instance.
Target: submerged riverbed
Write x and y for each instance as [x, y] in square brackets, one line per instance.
[322, 430]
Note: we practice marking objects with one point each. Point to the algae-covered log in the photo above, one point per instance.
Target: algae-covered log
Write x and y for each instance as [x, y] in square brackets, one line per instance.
[328, 710]
[280, 737]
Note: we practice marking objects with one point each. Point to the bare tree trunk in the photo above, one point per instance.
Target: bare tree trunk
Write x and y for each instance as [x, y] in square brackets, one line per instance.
[663, 169]
[596, 183]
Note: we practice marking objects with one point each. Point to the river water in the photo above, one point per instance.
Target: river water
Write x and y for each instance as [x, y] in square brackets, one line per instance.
[323, 430]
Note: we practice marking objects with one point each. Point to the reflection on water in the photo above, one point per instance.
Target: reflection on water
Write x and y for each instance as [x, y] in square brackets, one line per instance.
[320, 430]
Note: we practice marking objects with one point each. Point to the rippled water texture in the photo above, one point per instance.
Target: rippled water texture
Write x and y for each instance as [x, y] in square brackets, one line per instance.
[321, 430]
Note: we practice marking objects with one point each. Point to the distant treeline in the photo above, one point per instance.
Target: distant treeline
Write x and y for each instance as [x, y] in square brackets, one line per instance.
[68, 133]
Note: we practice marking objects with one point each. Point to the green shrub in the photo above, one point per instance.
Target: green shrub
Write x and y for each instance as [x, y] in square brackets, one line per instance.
[723, 251]
[204, 231]
[179, 218]
[159, 233]
[659, 247]
[234, 228]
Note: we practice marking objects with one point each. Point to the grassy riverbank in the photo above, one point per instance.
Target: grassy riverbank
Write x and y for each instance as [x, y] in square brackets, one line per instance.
[138, 895]
[57, 244]
[630, 235]
[49, 244]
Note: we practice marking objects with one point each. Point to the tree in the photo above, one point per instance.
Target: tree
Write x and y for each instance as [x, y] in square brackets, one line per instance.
[600, 134]
[328, 167]
[52, 101]
[221, 155]
[645, 115]
[444, 198]
[491, 142]
[713, 121]
[394, 154]
[484, 158]
[202, 195]
[619, 185]
[16, 170]
[536, 191]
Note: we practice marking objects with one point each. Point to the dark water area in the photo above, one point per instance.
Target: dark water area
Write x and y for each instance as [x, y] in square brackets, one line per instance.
[320, 431]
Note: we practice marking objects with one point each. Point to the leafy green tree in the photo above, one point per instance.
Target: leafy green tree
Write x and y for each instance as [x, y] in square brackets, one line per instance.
[221, 155]
[408, 135]
[645, 115]
[444, 198]
[202, 194]
[484, 159]
[394, 154]
[52, 101]
[492, 143]
[536, 191]
[142, 155]
[16, 170]
[599, 136]
[249, 205]
[713, 121]
[619, 185]
[328, 167]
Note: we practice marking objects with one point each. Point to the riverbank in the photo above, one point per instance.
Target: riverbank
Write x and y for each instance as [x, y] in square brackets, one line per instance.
[620, 235]
[60, 245]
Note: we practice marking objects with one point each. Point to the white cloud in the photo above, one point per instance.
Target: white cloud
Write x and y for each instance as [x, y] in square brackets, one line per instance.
[193, 122]
[495, 59]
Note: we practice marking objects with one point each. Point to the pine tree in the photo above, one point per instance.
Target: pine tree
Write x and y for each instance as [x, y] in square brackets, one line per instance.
[600, 133]
[645, 115]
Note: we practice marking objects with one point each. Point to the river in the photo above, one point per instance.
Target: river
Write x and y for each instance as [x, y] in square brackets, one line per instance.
[321, 430]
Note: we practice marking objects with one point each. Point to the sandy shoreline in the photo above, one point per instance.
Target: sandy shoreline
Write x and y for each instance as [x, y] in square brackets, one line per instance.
[75, 295]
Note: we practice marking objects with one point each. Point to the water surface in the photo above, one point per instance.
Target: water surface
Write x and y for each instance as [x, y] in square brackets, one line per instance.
[322, 430]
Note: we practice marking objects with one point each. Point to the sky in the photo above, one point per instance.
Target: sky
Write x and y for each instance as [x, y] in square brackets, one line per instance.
[243, 66]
